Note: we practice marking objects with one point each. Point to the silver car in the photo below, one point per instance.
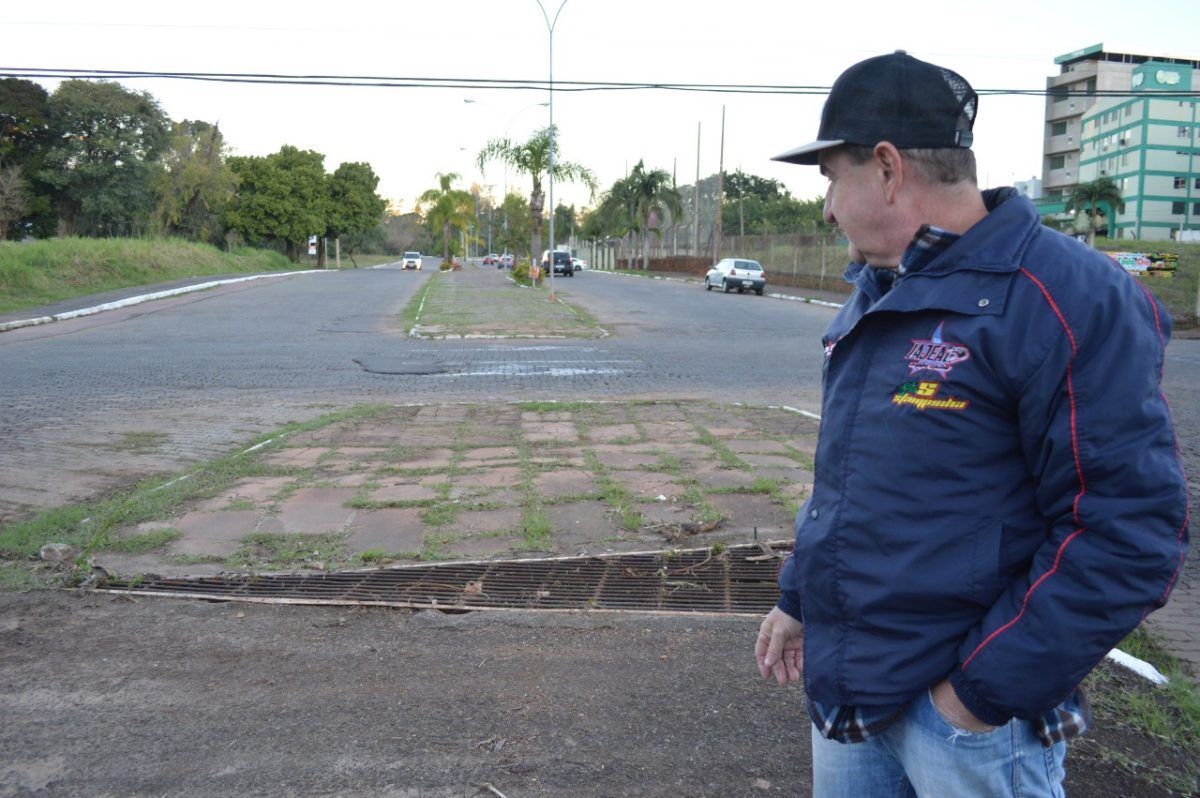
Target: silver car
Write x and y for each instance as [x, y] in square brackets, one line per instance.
[736, 273]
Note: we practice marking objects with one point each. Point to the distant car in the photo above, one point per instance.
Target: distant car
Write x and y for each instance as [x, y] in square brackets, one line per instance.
[506, 261]
[491, 260]
[579, 263]
[412, 260]
[737, 273]
[562, 262]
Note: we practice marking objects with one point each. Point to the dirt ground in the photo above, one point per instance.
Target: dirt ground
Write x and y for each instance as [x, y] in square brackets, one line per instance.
[104, 695]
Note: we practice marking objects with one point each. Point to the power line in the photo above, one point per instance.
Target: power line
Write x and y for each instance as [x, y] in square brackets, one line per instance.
[517, 84]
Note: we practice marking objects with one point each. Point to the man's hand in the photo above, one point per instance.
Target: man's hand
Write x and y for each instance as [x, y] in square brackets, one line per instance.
[945, 701]
[779, 649]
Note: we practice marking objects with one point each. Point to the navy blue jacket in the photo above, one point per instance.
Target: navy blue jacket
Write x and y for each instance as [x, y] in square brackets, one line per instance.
[998, 496]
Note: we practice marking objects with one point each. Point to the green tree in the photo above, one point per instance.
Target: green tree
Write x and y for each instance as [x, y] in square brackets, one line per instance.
[564, 223]
[1089, 197]
[14, 198]
[355, 210]
[515, 225]
[446, 207]
[641, 202]
[196, 184]
[760, 206]
[24, 137]
[104, 159]
[280, 197]
[532, 157]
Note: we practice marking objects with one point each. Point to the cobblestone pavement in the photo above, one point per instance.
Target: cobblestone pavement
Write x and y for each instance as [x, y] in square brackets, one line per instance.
[97, 403]
[478, 481]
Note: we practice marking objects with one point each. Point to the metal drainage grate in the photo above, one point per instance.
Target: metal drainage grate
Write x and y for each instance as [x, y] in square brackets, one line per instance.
[738, 580]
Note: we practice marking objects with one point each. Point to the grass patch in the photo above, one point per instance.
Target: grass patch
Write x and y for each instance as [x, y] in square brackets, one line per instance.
[269, 551]
[410, 315]
[140, 544]
[536, 530]
[555, 407]
[1170, 714]
[140, 442]
[723, 452]
[440, 513]
[614, 494]
[371, 556]
[19, 576]
[695, 497]
[434, 547]
[51, 270]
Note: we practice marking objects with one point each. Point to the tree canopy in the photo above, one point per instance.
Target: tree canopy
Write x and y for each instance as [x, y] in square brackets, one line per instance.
[280, 197]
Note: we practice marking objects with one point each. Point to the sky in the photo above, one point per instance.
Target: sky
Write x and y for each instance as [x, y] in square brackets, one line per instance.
[409, 135]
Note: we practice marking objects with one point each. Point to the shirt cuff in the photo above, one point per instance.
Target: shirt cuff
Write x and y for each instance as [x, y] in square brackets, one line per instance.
[789, 602]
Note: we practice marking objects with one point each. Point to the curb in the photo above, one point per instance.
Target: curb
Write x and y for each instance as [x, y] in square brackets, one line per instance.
[139, 299]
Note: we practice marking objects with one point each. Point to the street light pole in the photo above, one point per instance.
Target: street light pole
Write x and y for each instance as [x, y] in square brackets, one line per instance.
[550, 133]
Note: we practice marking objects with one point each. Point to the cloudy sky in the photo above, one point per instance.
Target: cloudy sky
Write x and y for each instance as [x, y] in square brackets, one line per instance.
[410, 134]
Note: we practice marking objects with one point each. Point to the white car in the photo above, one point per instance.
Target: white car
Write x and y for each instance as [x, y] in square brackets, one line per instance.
[579, 263]
[412, 260]
[736, 273]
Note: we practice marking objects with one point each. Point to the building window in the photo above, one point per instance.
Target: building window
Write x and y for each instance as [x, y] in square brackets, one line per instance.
[1124, 159]
[1058, 129]
[1058, 161]
[1180, 182]
[1183, 132]
[1196, 209]
[1129, 110]
[1197, 183]
[1177, 208]
[1090, 86]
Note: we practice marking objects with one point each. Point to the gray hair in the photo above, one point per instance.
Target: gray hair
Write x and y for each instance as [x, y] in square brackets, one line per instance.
[943, 165]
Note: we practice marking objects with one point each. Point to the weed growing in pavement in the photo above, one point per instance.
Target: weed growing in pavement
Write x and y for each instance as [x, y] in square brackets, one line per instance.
[140, 544]
[195, 559]
[371, 556]
[268, 551]
[614, 494]
[696, 497]
[554, 407]
[439, 513]
[435, 546]
[536, 530]
[723, 452]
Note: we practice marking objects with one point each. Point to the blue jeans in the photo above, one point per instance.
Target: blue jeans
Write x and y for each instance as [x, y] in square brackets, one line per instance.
[923, 755]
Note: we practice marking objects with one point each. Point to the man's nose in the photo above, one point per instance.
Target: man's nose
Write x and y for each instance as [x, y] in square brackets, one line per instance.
[827, 211]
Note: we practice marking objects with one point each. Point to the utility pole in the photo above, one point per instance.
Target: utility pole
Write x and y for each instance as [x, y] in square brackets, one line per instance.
[720, 193]
[696, 201]
[550, 29]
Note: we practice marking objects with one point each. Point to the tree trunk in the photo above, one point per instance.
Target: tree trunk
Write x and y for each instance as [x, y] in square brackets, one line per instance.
[646, 249]
[320, 252]
[1091, 240]
[446, 242]
[535, 211]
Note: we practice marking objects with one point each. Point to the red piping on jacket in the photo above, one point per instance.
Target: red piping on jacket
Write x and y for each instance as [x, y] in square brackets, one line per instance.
[1078, 470]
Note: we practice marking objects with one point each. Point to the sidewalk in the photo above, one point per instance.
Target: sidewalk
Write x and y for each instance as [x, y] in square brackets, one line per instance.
[427, 483]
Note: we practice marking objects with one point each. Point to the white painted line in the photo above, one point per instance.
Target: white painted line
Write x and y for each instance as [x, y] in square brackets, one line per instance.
[804, 413]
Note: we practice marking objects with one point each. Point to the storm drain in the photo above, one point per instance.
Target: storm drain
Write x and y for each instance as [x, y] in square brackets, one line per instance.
[738, 580]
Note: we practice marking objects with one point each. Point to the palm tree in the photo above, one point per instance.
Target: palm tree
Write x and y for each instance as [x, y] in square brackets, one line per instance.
[1089, 196]
[446, 207]
[532, 157]
[638, 202]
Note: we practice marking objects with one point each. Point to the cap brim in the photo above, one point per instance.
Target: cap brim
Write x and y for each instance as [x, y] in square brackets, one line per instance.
[808, 153]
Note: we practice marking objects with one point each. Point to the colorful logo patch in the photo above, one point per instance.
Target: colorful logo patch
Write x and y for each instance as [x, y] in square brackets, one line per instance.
[924, 396]
[935, 354]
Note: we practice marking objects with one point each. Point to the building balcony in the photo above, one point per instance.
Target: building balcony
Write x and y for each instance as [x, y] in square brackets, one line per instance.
[1056, 145]
[1059, 178]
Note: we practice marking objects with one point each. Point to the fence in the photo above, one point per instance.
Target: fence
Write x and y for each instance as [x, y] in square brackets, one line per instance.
[799, 260]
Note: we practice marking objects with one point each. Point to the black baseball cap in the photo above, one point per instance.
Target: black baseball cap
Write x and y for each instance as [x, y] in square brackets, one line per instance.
[896, 98]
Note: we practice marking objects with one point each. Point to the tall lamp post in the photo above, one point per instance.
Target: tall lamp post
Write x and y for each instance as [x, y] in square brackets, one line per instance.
[550, 29]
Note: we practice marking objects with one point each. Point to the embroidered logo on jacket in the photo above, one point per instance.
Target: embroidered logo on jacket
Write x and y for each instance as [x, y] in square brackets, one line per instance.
[935, 354]
[924, 396]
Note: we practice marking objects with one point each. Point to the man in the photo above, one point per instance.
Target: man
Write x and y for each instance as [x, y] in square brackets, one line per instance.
[998, 500]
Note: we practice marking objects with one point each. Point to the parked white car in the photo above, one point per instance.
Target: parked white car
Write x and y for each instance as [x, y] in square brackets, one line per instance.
[738, 273]
[579, 263]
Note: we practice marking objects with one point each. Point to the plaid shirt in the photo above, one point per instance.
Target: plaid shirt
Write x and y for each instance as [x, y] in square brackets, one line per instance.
[847, 723]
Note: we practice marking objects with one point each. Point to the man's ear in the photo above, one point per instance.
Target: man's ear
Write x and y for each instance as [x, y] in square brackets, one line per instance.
[890, 169]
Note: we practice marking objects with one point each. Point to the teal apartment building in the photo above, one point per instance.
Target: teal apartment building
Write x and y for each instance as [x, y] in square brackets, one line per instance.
[1133, 119]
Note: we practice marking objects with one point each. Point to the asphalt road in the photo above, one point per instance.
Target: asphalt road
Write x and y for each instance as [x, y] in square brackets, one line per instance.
[206, 371]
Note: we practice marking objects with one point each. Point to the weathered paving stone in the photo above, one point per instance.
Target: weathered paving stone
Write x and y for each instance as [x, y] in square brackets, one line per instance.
[213, 534]
[313, 511]
[390, 530]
